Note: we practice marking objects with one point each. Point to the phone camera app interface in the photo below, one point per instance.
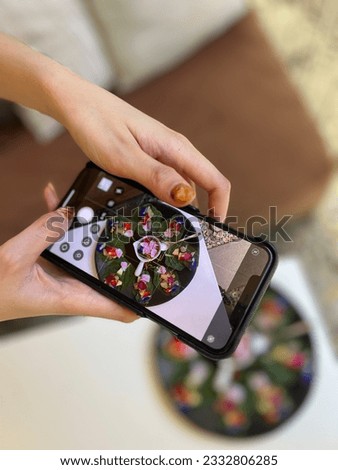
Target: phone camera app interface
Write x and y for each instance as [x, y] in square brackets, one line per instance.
[178, 266]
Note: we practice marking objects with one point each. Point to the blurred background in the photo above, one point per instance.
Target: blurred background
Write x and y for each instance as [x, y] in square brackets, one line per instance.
[254, 85]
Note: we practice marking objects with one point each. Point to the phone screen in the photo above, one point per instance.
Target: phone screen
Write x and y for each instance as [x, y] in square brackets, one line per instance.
[196, 276]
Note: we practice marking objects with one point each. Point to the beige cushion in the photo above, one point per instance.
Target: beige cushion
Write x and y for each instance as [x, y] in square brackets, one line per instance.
[62, 30]
[147, 37]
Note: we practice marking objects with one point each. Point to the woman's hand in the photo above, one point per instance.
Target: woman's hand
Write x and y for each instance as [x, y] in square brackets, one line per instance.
[113, 134]
[30, 286]
[117, 137]
[128, 143]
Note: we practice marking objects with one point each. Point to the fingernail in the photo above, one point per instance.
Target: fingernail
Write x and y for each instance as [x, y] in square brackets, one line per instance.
[66, 212]
[183, 193]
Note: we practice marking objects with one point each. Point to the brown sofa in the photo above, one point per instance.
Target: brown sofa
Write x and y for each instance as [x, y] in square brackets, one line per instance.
[233, 100]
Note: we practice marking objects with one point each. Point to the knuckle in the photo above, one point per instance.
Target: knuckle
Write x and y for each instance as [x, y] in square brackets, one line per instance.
[128, 318]
[180, 141]
[224, 183]
[7, 259]
[41, 232]
[161, 174]
[10, 260]
[45, 234]
[52, 228]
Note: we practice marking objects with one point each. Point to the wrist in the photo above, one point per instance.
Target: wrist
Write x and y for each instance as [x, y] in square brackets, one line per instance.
[60, 87]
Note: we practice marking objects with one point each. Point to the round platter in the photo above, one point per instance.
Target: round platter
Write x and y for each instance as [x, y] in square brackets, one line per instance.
[256, 390]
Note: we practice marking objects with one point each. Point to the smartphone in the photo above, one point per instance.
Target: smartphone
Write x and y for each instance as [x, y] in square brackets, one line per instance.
[195, 276]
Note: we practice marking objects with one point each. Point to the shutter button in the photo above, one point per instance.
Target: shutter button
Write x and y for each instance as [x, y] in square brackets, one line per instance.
[85, 215]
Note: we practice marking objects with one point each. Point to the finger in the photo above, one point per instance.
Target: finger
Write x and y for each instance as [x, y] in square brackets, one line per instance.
[51, 197]
[82, 300]
[72, 297]
[162, 180]
[194, 202]
[27, 246]
[178, 152]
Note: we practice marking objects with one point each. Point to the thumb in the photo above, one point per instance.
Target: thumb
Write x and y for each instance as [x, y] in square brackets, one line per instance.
[28, 245]
[51, 197]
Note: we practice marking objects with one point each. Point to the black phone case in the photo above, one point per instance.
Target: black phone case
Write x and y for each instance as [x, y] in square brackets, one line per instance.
[144, 312]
